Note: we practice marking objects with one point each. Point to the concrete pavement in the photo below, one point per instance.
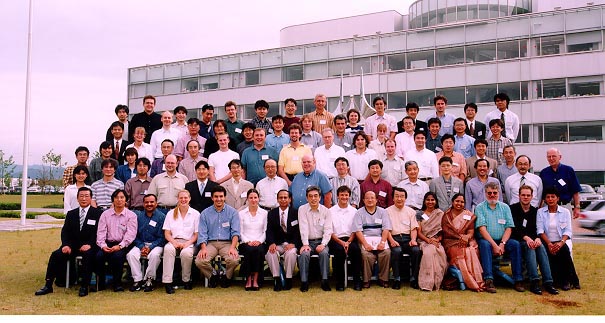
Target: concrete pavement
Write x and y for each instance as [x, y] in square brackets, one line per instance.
[41, 222]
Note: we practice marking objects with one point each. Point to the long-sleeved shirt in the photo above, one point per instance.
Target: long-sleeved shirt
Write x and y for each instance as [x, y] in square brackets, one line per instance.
[253, 228]
[511, 123]
[314, 224]
[120, 228]
[218, 225]
[150, 230]
[350, 182]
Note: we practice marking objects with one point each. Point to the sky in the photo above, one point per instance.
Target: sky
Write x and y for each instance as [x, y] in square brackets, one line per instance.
[82, 50]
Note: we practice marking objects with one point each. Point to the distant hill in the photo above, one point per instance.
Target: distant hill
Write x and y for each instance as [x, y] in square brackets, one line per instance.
[35, 171]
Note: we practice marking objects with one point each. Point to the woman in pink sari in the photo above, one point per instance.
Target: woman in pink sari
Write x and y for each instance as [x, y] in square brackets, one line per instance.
[461, 248]
[433, 263]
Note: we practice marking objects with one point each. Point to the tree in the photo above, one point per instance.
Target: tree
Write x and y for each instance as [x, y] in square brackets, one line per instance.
[51, 165]
[6, 170]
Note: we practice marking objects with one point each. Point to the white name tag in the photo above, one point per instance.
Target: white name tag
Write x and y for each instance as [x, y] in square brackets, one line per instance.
[479, 133]
[225, 224]
[163, 167]
[562, 182]
[378, 221]
[501, 221]
[91, 222]
[524, 223]
[207, 194]
[322, 121]
[295, 158]
[383, 194]
[462, 147]
[466, 217]
[293, 223]
[500, 150]
[243, 194]
[438, 148]
[144, 192]
[491, 171]
[420, 129]
[456, 189]
[152, 223]
[238, 130]
[425, 217]
[563, 225]
[264, 157]
[346, 144]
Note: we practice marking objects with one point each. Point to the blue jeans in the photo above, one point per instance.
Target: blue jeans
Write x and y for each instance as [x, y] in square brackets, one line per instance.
[512, 247]
[535, 257]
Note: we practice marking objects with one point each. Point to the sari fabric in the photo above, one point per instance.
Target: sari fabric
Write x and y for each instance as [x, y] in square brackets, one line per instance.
[434, 262]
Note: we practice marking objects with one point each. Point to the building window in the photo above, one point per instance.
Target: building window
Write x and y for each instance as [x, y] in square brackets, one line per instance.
[525, 90]
[336, 68]
[307, 106]
[554, 88]
[137, 91]
[583, 42]
[172, 71]
[555, 132]
[453, 95]
[450, 56]
[209, 82]
[422, 59]
[396, 100]
[191, 68]
[316, 71]
[273, 109]
[551, 45]
[363, 62]
[395, 62]
[155, 73]
[293, 73]
[512, 89]
[481, 53]
[481, 93]
[270, 76]
[155, 88]
[252, 77]
[508, 49]
[524, 135]
[172, 87]
[423, 98]
[139, 75]
[582, 86]
[586, 131]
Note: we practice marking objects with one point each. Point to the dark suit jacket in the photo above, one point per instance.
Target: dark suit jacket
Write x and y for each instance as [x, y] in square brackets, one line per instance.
[438, 187]
[72, 236]
[109, 135]
[420, 126]
[123, 145]
[479, 129]
[200, 201]
[276, 235]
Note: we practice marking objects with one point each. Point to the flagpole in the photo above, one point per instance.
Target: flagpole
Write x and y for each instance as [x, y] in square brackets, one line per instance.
[27, 108]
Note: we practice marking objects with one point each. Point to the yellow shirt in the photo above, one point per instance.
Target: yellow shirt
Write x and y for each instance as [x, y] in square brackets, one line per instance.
[291, 158]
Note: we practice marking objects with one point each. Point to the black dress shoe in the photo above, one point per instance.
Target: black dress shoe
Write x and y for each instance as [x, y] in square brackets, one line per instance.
[357, 286]
[136, 286]
[44, 290]
[277, 284]
[83, 291]
[188, 285]
[118, 288]
[288, 284]
[340, 287]
[224, 281]
[550, 289]
[566, 287]
[169, 289]
[576, 286]
[414, 284]
[213, 281]
[396, 284]
[304, 287]
[535, 287]
[325, 285]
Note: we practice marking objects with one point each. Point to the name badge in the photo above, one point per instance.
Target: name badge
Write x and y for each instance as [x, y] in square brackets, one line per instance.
[463, 147]
[322, 121]
[144, 192]
[421, 129]
[122, 227]
[500, 150]
[295, 158]
[225, 224]
[133, 175]
[562, 182]
[378, 221]
[238, 130]
[383, 194]
[438, 149]
[346, 144]
[152, 223]
[163, 167]
[501, 221]
[524, 223]
[563, 225]
[293, 223]
[479, 133]
[456, 164]
[243, 194]
[491, 171]
[456, 189]
[91, 222]
[207, 194]
[425, 217]
[264, 157]
[466, 217]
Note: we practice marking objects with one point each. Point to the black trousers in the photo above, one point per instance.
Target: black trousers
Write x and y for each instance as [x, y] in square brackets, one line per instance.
[340, 257]
[401, 266]
[116, 264]
[57, 264]
[562, 267]
[254, 258]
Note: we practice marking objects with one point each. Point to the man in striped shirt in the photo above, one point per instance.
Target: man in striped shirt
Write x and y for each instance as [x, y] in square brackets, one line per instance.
[103, 188]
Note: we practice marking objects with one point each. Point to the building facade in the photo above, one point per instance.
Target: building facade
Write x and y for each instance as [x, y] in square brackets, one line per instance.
[547, 56]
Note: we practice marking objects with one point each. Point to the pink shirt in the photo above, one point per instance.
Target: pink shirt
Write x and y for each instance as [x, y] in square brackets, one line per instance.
[114, 227]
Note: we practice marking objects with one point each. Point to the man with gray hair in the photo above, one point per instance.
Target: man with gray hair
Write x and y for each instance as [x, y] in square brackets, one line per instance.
[321, 117]
[326, 154]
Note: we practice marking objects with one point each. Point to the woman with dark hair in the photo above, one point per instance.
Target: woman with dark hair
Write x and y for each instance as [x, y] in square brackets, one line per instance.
[353, 116]
[70, 197]
[460, 246]
[434, 262]
[128, 170]
[211, 146]
[360, 156]
[253, 229]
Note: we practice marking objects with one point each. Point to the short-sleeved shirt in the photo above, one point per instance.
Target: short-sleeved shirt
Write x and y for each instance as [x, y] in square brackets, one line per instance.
[253, 161]
[234, 129]
[447, 123]
[373, 121]
[346, 141]
[321, 120]
[300, 183]
[277, 142]
[182, 227]
[564, 180]
[342, 220]
[325, 158]
[136, 188]
[220, 162]
[290, 158]
[496, 220]
[167, 188]
[465, 146]
[102, 190]
[403, 220]
[371, 225]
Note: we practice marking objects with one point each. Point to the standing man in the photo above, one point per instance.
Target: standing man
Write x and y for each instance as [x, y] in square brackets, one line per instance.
[344, 179]
[219, 160]
[193, 125]
[149, 243]
[78, 238]
[447, 120]
[147, 119]
[82, 160]
[508, 168]
[122, 114]
[290, 156]
[278, 139]
[414, 188]
[192, 157]
[326, 154]
[464, 144]
[106, 186]
[481, 150]
[405, 139]
[393, 170]
[180, 114]
[310, 177]
[218, 235]
[509, 118]
[237, 187]
[411, 110]
[374, 183]
[496, 143]
[166, 186]
[321, 117]
[474, 191]
[523, 177]
[563, 178]
[260, 120]
[476, 129]
[372, 226]
[166, 132]
[315, 223]
[235, 126]
[206, 130]
[433, 139]
[342, 138]
[136, 187]
[380, 105]
[446, 185]
[157, 166]
[270, 186]
[495, 223]
[426, 159]
[118, 142]
[290, 117]
[201, 188]
[253, 158]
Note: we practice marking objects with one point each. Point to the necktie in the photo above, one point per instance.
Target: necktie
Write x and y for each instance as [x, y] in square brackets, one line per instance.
[202, 188]
[503, 124]
[522, 180]
[82, 217]
[283, 221]
[472, 129]
[117, 152]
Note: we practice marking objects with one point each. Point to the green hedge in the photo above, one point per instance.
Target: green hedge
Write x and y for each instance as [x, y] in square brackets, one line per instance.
[10, 206]
[29, 215]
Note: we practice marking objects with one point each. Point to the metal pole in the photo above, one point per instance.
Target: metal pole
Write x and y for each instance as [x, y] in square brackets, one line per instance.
[26, 127]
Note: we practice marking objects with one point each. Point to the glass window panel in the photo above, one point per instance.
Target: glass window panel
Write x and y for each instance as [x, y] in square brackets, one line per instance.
[513, 28]
[586, 131]
[191, 68]
[421, 59]
[210, 66]
[524, 90]
[138, 75]
[423, 98]
[512, 89]
[524, 136]
[481, 53]
[366, 46]
[273, 109]
[454, 95]
[316, 53]
[344, 49]
[248, 112]
[271, 58]
[249, 61]
[582, 42]
[230, 63]
[547, 24]
[294, 55]
[523, 47]
[450, 56]
[252, 77]
[293, 73]
[209, 82]
[584, 88]
[582, 19]
[508, 49]
[449, 36]
[228, 80]
[173, 70]
[378, 63]
[137, 91]
[155, 73]
[307, 105]
[172, 87]
[155, 88]
[481, 93]
[396, 100]
[395, 62]
[554, 88]
[365, 63]
[552, 45]
[418, 40]
[316, 71]
[335, 68]
[555, 132]
[392, 43]
[270, 76]
[189, 85]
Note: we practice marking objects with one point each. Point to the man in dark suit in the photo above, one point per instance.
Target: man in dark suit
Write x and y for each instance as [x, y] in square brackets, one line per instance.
[122, 114]
[78, 238]
[412, 111]
[283, 238]
[475, 129]
[201, 188]
[118, 142]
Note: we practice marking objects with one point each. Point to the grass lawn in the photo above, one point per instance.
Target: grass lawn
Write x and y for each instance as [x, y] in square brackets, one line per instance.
[26, 254]
[36, 201]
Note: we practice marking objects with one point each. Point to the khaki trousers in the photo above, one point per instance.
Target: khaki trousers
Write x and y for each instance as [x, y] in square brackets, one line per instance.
[214, 248]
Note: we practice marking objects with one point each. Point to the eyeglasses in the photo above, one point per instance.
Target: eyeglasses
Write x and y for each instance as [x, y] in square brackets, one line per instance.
[491, 193]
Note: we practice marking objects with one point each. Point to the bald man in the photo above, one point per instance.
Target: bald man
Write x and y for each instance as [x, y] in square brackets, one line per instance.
[310, 177]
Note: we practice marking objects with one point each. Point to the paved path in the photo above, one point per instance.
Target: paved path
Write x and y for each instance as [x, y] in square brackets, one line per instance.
[41, 222]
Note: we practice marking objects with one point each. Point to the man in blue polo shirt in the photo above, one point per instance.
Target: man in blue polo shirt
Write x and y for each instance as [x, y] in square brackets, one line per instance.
[310, 177]
[253, 158]
[563, 178]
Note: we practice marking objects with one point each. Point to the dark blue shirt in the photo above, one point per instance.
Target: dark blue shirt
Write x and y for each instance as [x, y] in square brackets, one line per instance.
[123, 173]
[150, 230]
[302, 181]
[564, 180]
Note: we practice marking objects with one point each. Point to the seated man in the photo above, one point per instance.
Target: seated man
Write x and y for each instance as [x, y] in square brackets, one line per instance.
[283, 238]
[149, 243]
[315, 223]
[78, 238]
[371, 226]
[342, 244]
[495, 223]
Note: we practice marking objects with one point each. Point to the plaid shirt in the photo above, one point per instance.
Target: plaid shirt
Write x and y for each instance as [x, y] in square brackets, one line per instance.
[496, 221]
[321, 120]
[68, 175]
[265, 124]
[495, 148]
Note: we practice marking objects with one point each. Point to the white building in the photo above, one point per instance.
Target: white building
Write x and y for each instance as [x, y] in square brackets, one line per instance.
[546, 55]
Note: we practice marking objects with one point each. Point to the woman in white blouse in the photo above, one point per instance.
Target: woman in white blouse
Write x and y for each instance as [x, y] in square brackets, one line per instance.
[70, 198]
[253, 228]
[144, 149]
[180, 230]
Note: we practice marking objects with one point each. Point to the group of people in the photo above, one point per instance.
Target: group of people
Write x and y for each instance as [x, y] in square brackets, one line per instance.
[423, 199]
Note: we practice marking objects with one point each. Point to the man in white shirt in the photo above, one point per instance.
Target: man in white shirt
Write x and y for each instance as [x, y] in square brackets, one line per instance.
[166, 132]
[218, 161]
[426, 159]
[380, 105]
[405, 140]
[415, 188]
[180, 114]
[269, 186]
[509, 118]
[326, 154]
[394, 167]
[523, 177]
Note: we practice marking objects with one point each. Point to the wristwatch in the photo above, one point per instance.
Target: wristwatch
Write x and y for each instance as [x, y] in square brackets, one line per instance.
[503, 242]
